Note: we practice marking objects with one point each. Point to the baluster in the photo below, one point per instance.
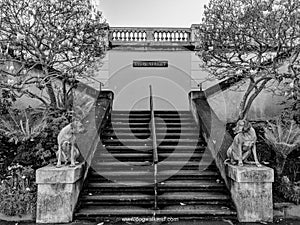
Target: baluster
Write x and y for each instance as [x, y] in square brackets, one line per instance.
[173, 36]
[123, 36]
[117, 35]
[176, 36]
[144, 35]
[164, 36]
[127, 35]
[180, 36]
[185, 36]
[114, 35]
[139, 36]
[168, 36]
[155, 36]
[159, 36]
[131, 36]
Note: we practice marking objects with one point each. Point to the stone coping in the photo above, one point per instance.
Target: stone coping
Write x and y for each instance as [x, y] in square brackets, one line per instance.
[250, 173]
[64, 175]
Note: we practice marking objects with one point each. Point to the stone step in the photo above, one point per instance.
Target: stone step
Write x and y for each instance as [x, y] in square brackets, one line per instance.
[118, 197]
[161, 174]
[193, 196]
[201, 184]
[169, 198]
[157, 124]
[143, 129]
[148, 141]
[157, 119]
[96, 211]
[124, 155]
[161, 148]
[208, 174]
[172, 211]
[116, 185]
[144, 135]
[96, 174]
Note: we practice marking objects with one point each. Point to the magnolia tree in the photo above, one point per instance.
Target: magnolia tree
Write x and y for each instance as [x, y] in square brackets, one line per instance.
[258, 40]
[43, 42]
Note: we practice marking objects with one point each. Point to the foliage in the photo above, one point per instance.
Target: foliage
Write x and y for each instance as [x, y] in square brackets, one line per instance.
[41, 151]
[258, 40]
[7, 154]
[78, 104]
[290, 190]
[292, 111]
[41, 41]
[6, 100]
[283, 137]
[33, 143]
[18, 191]
[21, 126]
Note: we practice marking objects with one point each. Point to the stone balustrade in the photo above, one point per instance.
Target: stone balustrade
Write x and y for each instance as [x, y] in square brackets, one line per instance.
[151, 34]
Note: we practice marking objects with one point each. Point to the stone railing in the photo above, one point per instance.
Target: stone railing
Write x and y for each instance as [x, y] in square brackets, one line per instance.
[153, 35]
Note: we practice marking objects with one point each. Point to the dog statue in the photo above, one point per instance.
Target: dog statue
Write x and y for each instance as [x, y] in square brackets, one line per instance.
[67, 151]
[243, 144]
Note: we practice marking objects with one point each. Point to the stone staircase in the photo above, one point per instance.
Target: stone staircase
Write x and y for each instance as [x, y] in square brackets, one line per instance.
[121, 179]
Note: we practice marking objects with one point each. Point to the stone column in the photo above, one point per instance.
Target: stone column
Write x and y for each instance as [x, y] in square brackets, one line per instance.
[58, 191]
[251, 191]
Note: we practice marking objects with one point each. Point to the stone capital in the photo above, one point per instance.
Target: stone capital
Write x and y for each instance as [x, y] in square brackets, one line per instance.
[64, 175]
[250, 173]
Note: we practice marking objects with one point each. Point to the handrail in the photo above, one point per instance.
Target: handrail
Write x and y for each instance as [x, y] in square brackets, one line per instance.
[154, 144]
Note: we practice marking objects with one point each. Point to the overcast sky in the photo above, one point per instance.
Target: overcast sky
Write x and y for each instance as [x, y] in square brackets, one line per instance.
[152, 13]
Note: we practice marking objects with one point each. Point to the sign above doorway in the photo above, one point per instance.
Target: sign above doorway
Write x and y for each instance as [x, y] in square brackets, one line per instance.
[137, 63]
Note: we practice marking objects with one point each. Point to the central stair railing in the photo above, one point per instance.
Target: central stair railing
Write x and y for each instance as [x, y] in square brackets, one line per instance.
[154, 144]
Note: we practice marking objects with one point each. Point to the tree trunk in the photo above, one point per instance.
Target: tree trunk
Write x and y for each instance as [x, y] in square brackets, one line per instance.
[65, 97]
[248, 99]
[244, 99]
[280, 163]
[51, 94]
[50, 91]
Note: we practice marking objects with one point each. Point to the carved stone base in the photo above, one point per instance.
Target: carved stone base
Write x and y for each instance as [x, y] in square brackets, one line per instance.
[58, 190]
[251, 191]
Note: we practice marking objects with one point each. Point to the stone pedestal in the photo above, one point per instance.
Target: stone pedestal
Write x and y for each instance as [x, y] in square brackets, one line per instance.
[58, 190]
[251, 191]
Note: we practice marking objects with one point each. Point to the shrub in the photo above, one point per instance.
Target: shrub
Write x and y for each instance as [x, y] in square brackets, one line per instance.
[32, 136]
[41, 151]
[283, 137]
[18, 191]
[290, 190]
[22, 126]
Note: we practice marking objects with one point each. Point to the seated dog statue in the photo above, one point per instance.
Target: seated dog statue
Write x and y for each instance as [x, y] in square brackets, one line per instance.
[67, 150]
[243, 144]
